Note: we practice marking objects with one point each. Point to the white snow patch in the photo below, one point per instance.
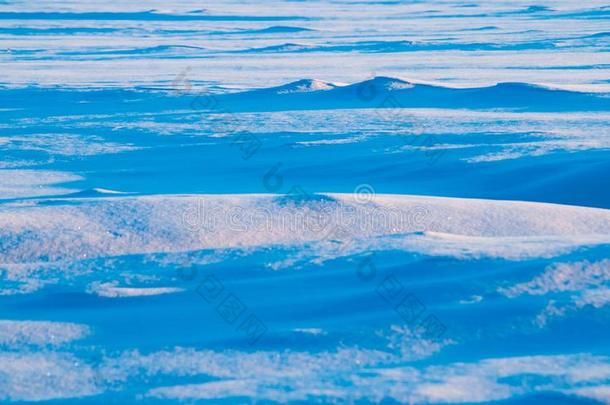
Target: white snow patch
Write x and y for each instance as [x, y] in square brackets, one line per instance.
[310, 331]
[110, 290]
[364, 375]
[40, 376]
[31, 183]
[588, 284]
[599, 393]
[40, 333]
[65, 144]
[576, 276]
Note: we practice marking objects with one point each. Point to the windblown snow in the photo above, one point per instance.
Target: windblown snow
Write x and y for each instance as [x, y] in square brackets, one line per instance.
[87, 228]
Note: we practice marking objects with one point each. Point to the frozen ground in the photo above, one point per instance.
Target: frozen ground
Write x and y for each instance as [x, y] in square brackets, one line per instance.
[320, 201]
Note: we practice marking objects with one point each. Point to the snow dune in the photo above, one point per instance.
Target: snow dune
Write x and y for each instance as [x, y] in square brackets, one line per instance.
[389, 92]
[85, 228]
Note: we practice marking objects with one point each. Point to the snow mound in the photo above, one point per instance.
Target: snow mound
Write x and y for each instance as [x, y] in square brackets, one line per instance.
[387, 83]
[99, 227]
[304, 86]
[390, 92]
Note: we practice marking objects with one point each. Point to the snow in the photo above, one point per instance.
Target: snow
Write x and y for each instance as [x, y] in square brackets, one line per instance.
[129, 225]
[361, 201]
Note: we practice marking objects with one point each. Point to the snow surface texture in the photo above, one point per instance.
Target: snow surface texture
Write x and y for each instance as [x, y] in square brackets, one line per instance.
[135, 225]
[308, 202]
